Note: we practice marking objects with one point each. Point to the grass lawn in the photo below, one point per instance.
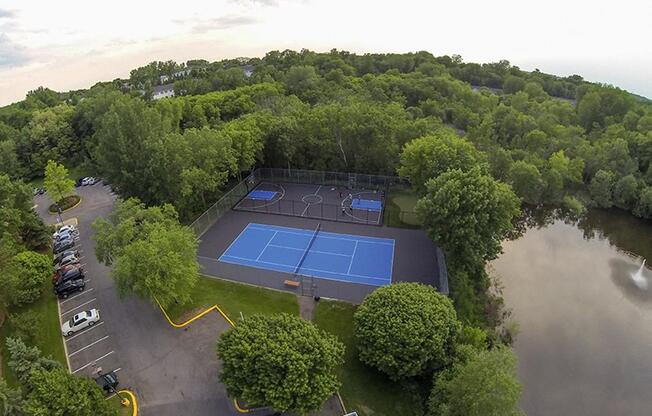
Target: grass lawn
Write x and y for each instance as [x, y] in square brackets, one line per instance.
[48, 339]
[122, 411]
[364, 389]
[400, 209]
[234, 298]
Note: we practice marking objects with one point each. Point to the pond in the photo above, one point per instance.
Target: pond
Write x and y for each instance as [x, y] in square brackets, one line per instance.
[585, 340]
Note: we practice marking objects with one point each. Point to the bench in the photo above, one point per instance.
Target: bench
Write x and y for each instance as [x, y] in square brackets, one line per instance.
[292, 283]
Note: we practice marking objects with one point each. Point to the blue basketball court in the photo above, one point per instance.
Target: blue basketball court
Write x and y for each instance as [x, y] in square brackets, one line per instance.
[261, 195]
[342, 257]
[366, 204]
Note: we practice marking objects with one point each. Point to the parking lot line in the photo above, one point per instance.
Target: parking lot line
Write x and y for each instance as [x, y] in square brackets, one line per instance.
[77, 307]
[77, 295]
[88, 346]
[94, 361]
[84, 331]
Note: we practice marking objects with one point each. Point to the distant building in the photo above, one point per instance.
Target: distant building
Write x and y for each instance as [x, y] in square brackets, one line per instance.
[248, 70]
[179, 74]
[163, 91]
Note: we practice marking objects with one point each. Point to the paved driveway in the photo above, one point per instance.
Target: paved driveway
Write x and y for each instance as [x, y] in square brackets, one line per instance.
[173, 371]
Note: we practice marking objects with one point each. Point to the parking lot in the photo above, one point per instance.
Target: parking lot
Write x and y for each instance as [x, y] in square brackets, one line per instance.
[92, 348]
[172, 371]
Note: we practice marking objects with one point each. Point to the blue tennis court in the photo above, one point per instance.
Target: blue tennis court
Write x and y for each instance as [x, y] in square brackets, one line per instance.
[366, 204]
[342, 257]
[261, 195]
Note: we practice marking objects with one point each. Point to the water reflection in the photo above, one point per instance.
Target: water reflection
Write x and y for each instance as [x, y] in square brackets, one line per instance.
[585, 346]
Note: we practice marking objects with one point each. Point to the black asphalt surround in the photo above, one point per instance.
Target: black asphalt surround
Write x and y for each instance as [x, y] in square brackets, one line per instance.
[326, 202]
[416, 258]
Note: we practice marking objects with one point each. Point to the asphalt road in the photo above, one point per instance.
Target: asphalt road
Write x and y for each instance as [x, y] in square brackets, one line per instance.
[172, 371]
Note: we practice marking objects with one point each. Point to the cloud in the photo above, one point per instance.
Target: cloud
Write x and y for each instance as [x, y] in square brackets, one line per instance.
[11, 54]
[219, 23]
[8, 14]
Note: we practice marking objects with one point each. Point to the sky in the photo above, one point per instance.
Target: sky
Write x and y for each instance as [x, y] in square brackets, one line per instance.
[72, 44]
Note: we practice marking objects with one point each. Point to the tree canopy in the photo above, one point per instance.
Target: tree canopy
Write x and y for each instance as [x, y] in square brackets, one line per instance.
[290, 368]
[405, 329]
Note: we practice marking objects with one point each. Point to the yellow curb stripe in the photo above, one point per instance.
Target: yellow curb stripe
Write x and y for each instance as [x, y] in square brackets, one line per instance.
[134, 402]
[194, 318]
[238, 408]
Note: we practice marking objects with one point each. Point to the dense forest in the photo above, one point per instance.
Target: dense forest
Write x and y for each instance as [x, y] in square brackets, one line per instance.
[556, 141]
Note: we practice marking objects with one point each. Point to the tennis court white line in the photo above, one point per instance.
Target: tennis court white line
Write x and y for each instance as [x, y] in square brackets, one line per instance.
[323, 234]
[76, 296]
[94, 361]
[311, 250]
[352, 257]
[77, 307]
[305, 268]
[266, 245]
[88, 346]
[84, 332]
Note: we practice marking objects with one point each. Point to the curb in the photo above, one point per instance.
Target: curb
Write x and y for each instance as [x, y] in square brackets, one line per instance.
[134, 402]
[67, 209]
[194, 318]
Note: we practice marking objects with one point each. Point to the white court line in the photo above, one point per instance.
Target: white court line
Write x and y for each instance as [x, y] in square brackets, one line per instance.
[84, 331]
[94, 361]
[76, 296]
[352, 257]
[265, 248]
[313, 251]
[77, 307]
[325, 234]
[304, 268]
[88, 346]
[307, 204]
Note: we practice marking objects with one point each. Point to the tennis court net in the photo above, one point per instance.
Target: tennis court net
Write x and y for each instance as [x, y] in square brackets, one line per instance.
[305, 253]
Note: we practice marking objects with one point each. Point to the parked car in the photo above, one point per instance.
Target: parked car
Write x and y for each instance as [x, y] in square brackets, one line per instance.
[62, 245]
[107, 382]
[79, 182]
[80, 321]
[39, 191]
[64, 275]
[69, 287]
[93, 180]
[89, 180]
[66, 229]
[60, 256]
[66, 261]
[66, 235]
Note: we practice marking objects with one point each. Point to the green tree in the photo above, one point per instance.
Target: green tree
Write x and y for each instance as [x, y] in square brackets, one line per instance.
[430, 156]
[292, 367]
[57, 182]
[25, 277]
[59, 393]
[526, 181]
[11, 400]
[484, 385]
[601, 188]
[18, 221]
[644, 206]
[626, 192]
[24, 360]
[405, 329]
[162, 268]
[468, 213]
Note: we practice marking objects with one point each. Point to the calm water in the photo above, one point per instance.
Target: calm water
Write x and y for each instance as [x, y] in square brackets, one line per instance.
[585, 341]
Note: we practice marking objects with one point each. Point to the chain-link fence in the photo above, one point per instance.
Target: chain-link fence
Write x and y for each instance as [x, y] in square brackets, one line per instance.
[398, 217]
